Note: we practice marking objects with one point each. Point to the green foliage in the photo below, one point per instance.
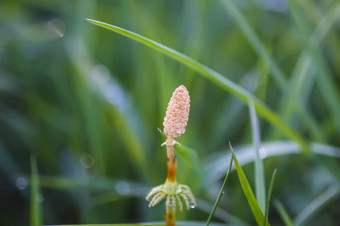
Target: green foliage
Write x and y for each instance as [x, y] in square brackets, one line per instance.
[315, 206]
[270, 190]
[248, 192]
[87, 104]
[283, 213]
[35, 212]
[214, 76]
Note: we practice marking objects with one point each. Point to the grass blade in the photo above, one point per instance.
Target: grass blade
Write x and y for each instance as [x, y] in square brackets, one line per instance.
[283, 213]
[316, 205]
[269, 196]
[221, 192]
[217, 78]
[35, 217]
[260, 189]
[189, 155]
[217, 165]
[248, 192]
[327, 88]
[300, 73]
[124, 118]
[220, 214]
[262, 52]
[253, 39]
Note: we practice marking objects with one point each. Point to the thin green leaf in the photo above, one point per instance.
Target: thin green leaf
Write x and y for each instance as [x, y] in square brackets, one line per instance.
[161, 132]
[94, 184]
[221, 192]
[219, 79]
[283, 213]
[217, 165]
[248, 192]
[35, 216]
[325, 81]
[220, 214]
[301, 73]
[189, 156]
[316, 205]
[260, 189]
[262, 52]
[123, 116]
[253, 39]
[269, 196]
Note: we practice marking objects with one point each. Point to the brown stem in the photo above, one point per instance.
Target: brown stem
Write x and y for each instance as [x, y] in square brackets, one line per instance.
[170, 217]
[172, 160]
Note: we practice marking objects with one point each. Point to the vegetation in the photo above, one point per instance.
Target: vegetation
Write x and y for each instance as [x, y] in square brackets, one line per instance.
[80, 107]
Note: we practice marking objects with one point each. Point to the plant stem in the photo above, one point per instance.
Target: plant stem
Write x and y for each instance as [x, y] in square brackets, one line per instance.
[172, 160]
[170, 217]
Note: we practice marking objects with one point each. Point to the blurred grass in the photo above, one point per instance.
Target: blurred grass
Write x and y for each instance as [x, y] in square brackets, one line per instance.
[35, 211]
[87, 103]
[283, 213]
[214, 76]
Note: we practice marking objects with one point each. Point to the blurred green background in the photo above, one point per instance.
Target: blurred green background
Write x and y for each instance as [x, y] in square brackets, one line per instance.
[87, 103]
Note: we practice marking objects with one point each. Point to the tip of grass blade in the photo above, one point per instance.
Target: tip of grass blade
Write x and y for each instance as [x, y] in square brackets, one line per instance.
[93, 21]
[161, 132]
[89, 20]
[231, 147]
[268, 198]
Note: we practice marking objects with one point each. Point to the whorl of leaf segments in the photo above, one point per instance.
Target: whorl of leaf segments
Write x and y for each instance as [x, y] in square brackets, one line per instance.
[177, 113]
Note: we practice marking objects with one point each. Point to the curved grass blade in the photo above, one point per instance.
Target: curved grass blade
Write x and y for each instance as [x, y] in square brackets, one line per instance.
[35, 215]
[189, 156]
[260, 189]
[283, 213]
[248, 192]
[316, 205]
[214, 76]
[217, 165]
[97, 185]
[268, 197]
[221, 192]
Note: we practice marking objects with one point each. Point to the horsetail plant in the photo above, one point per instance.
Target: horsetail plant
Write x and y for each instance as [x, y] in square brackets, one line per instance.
[175, 122]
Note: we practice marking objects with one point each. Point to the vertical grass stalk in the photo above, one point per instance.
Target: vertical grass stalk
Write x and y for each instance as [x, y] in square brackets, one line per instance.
[260, 189]
[35, 216]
